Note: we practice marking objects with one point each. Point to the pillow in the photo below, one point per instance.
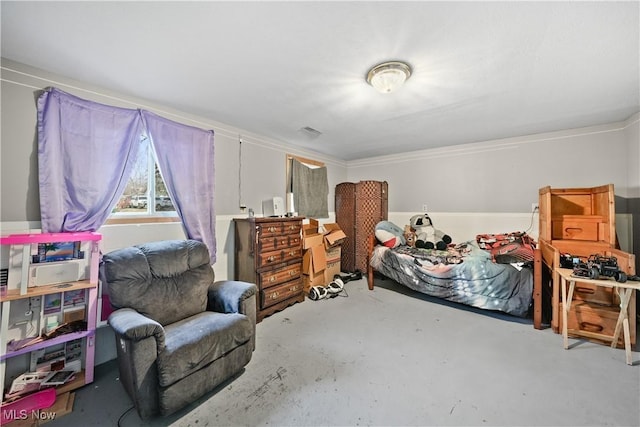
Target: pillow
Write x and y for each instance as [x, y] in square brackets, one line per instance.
[389, 234]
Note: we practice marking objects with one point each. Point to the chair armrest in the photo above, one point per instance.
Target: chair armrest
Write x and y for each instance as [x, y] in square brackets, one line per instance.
[232, 296]
[131, 325]
[228, 296]
[139, 340]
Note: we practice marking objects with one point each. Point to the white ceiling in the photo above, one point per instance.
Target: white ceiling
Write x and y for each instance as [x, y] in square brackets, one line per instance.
[481, 70]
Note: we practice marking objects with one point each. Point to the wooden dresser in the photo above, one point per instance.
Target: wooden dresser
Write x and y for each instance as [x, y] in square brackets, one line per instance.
[581, 222]
[268, 252]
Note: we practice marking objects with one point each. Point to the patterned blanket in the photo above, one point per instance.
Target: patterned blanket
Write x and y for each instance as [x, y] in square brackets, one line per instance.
[465, 274]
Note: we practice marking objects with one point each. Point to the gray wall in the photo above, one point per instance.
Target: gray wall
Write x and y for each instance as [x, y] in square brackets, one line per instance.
[505, 175]
[633, 196]
[491, 177]
[495, 177]
[263, 160]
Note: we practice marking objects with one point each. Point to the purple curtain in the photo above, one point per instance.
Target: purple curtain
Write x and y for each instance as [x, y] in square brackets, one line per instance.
[86, 152]
[185, 158]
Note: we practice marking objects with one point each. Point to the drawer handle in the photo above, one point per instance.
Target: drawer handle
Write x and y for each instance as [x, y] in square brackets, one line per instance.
[591, 327]
[272, 229]
[573, 230]
[293, 288]
[271, 258]
[292, 227]
[583, 290]
[291, 272]
[292, 253]
[274, 295]
[283, 242]
[272, 279]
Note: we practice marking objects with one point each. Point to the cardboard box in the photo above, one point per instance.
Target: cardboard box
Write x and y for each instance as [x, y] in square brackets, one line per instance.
[321, 259]
[311, 235]
[314, 260]
[333, 235]
[334, 254]
[312, 240]
[313, 279]
[333, 263]
[312, 228]
[331, 270]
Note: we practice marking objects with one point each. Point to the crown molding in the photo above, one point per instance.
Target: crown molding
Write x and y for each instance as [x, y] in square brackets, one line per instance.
[492, 145]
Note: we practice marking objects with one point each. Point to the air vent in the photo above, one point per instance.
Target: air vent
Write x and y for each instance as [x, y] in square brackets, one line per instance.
[310, 132]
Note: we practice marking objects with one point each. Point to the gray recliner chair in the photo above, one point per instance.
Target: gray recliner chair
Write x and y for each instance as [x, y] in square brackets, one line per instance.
[178, 333]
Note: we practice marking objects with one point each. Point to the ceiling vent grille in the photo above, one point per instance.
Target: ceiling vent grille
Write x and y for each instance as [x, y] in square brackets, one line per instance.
[310, 132]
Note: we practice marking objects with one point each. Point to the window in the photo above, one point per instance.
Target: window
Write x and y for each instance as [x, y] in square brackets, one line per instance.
[145, 184]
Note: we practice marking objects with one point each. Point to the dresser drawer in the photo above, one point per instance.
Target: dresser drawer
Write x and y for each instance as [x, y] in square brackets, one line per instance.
[270, 229]
[596, 294]
[279, 275]
[571, 227]
[292, 227]
[588, 317]
[277, 228]
[271, 243]
[276, 294]
[274, 257]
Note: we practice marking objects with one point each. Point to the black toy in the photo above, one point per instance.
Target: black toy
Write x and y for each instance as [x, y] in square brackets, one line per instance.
[597, 266]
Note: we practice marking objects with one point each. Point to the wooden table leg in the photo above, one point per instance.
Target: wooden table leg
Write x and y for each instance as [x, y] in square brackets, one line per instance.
[566, 306]
[627, 341]
[565, 316]
[623, 323]
[555, 303]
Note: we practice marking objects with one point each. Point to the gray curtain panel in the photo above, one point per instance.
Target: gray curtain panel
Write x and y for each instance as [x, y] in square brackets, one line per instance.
[310, 190]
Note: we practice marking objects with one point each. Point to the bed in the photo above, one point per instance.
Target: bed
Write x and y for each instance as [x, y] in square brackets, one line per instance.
[463, 273]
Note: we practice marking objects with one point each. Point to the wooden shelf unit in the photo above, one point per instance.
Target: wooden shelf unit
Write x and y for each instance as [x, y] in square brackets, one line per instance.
[22, 290]
[586, 214]
[14, 294]
[581, 222]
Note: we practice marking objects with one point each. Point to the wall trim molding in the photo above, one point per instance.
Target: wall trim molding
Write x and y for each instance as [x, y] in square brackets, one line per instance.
[493, 145]
[8, 227]
[133, 102]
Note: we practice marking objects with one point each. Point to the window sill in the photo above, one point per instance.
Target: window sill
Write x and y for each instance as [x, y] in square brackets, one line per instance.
[142, 220]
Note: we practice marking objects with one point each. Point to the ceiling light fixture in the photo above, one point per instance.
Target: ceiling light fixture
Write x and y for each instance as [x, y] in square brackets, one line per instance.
[388, 76]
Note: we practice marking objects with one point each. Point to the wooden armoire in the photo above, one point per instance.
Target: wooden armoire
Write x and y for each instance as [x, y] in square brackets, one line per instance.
[359, 207]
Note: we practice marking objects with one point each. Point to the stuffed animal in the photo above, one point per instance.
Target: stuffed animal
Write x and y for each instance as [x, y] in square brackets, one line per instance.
[410, 236]
[427, 236]
[389, 234]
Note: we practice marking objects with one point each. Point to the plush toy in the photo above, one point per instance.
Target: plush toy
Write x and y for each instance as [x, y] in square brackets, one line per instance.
[410, 236]
[427, 236]
[389, 234]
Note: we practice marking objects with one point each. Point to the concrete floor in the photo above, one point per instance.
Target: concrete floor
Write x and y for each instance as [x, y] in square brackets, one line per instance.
[394, 357]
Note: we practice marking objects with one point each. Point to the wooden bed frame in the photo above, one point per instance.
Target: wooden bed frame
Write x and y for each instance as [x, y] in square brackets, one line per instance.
[537, 280]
